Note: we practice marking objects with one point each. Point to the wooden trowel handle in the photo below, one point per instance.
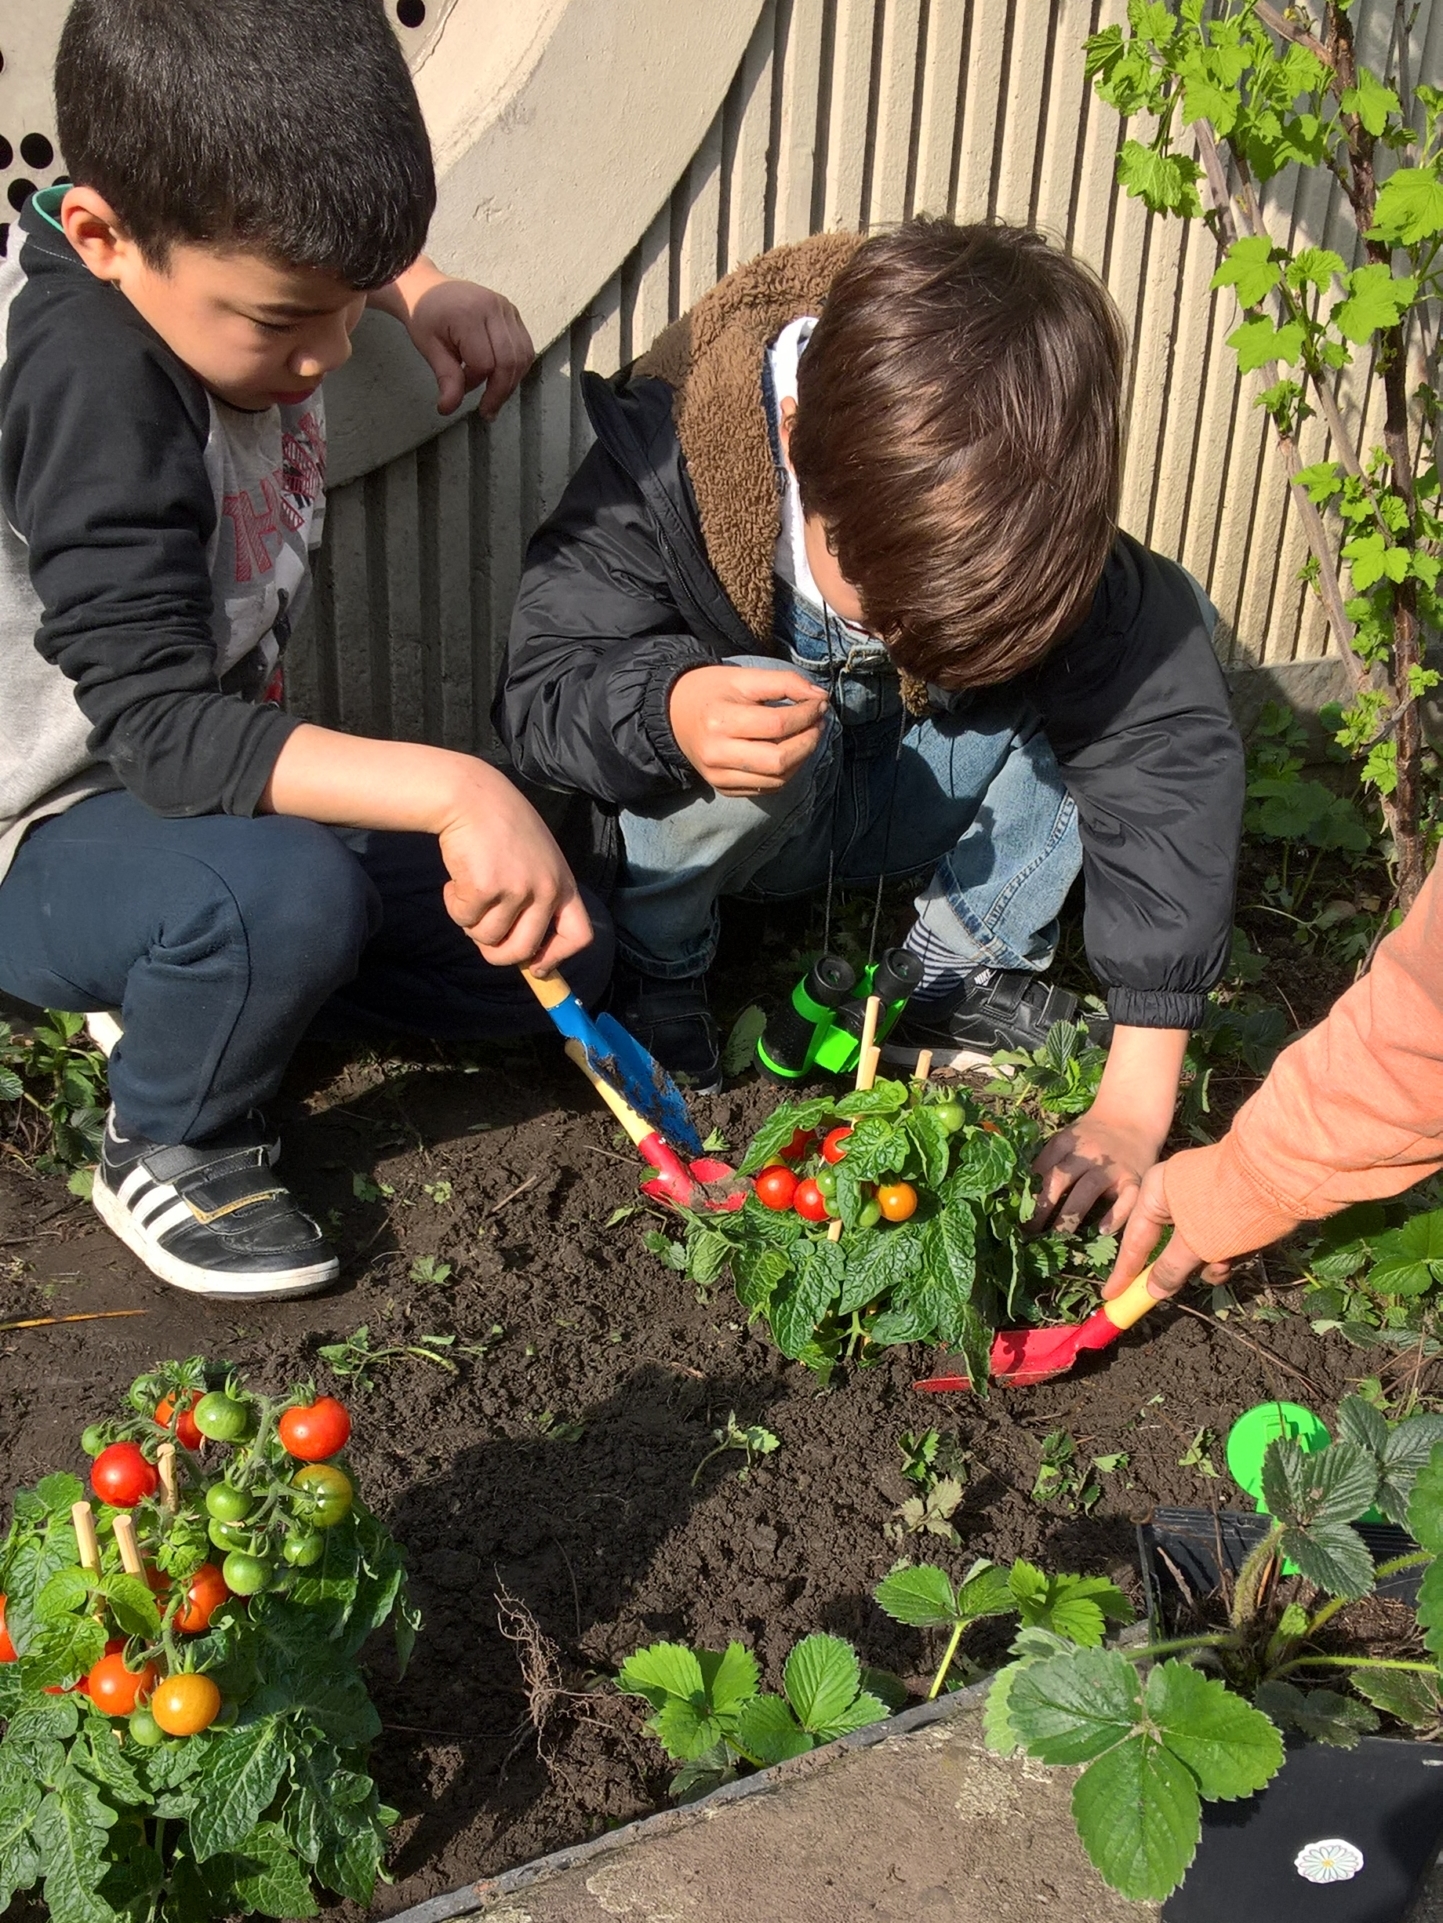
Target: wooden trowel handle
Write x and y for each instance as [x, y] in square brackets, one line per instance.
[550, 990]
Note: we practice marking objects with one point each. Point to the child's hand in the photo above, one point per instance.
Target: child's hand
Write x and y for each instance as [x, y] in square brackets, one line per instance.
[510, 887]
[1107, 1152]
[746, 731]
[467, 334]
[1175, 1266]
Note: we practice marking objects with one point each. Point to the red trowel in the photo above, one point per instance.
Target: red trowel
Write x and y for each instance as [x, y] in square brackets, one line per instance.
[1021, 1357]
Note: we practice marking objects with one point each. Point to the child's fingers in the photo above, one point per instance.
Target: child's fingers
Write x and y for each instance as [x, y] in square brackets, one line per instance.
[749, 721]
[520, 944]
[570, 933]
[775, 684]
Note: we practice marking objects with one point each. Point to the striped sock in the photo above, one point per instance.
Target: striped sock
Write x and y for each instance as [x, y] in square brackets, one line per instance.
[943, 972]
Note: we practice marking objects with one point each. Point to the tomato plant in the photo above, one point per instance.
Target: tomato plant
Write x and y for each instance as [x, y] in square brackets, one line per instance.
[314, 1431]
[163, 1736]
[930, 1188]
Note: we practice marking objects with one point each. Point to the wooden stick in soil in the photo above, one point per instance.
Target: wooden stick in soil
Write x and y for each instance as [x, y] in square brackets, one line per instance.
[872, 1017]
[49, 1321]
[922, 1072]
[86, 1542]
[165, 1463]
[129, 1552]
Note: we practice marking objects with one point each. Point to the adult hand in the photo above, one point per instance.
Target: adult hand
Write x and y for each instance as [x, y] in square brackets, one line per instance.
[510, 887]
[468, 335]
[1106, 1152]
[747, 731]
[1177, 1263]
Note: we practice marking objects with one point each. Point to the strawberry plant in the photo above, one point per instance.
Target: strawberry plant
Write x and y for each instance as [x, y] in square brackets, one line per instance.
[711, 1715]
[1157, 1735]
[887, 1215]
[185, 1722]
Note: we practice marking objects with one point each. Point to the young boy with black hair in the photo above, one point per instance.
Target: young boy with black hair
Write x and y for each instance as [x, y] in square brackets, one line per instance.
[248, 175]
[839, 593]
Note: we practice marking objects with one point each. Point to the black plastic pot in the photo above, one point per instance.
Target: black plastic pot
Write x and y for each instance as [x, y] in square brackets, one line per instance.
[1372, 1816]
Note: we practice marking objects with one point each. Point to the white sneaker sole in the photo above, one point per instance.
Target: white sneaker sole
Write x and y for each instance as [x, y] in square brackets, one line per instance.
[280, 1286]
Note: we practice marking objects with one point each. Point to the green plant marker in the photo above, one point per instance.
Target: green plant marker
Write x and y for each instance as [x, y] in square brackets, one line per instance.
[1248, 1441]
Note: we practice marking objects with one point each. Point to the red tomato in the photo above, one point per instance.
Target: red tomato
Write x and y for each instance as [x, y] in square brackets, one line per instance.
[203, 1597]
[186, 1432]
[776, 1186]
[315, 1430]
[116, 1689]
[800, 1143]
[121, 1476]
[832, 1149]
[8, 1651]
[809, 1202]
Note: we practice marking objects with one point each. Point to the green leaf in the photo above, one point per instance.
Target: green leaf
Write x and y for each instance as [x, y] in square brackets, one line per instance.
[1072, 1708]
[60, 1651]
[245, 1768]
[67, 1591]
[1331, 1554]
[662, 1670]
[352, 1865]
[1430, 1606]
[1322, 481]
[768, 1732]
[933, 1144]
[882, 1098]
[1320, 1713]
[1250, 268]
[800, 1304]
[685, 1728]
[1425, 1506]
[100, 1755]
[71, 1829]
[1075, 1607]
[1375, 300]
[986, 1163]
[1231, 1748]
[1314, 267]
[1409, 1259]
[921, 1597]
[27, 1574]
[864, 1708]
[132, 1603]
[876, 1262]
[949, 1259]
[778, 1129]
[1409, 207]
[1138, 1815]
[1331, 1485]
[876, 1148]
[1257, 342]
[730, 1677]
[267, 1876]
[821, 1679]
[19, 1856]
[1167, 183]
[60, 1493]
[1413, 1698]
[986, 1591]
[1371, 101]
[1399, 1449]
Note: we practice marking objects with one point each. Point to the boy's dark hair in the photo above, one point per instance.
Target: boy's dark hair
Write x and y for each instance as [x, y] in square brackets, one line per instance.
[287, 127]
[959, 432]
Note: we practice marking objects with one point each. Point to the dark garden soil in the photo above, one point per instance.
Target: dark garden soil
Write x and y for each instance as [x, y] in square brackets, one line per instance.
[558, 1461]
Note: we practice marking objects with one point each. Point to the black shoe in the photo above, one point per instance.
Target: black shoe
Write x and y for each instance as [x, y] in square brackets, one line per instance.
[210, 1219]
[995, 1008]
[672, 1021]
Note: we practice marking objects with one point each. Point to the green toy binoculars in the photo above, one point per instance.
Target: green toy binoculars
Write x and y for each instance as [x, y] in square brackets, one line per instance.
[821, 1026]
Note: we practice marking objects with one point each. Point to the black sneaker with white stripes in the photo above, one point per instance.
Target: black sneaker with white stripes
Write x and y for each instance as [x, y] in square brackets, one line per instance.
[210, 1218]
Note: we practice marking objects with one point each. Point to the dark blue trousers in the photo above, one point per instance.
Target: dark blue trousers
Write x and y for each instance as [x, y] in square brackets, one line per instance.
[222, 939]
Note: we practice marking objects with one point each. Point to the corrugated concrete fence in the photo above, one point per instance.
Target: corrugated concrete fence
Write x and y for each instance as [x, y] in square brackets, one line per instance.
[841, 113]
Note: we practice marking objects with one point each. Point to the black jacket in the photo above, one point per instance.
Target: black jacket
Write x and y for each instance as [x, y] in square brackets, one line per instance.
[618, 599]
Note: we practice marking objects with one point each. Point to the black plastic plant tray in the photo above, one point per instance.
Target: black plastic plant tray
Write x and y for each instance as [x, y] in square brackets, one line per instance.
[1184, 1543]
[1384, 1799]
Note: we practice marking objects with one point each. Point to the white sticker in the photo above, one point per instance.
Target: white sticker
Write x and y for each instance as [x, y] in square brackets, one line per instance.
[1332, 1861]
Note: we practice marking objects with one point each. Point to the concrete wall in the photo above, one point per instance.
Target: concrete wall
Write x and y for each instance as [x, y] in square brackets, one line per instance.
[605, 161]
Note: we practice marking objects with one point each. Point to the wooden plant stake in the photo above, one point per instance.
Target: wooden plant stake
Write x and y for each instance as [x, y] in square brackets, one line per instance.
[86, 1541]
[868, 1056]
[126, 1544]
[923, 1070]
[165, 1463]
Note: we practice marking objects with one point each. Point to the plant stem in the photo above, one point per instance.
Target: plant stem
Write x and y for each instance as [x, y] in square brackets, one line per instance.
[1413, 1560]
[1224, 1639]
[941, 1675]
[1250, 1576]
[1357, 1662]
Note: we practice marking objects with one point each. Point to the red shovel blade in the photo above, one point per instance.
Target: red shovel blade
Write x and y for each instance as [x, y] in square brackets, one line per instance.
[1021, 1357]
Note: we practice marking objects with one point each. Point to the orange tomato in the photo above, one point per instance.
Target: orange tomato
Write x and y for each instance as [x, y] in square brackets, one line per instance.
[203, 1597]
[897, 1200]
[184, 1705]
[186, 1432]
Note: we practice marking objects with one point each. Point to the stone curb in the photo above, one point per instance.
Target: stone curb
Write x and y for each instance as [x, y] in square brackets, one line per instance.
[473, 1898]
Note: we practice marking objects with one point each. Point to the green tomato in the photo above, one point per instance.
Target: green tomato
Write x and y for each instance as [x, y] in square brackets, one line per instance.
[93, 1439]
[327, 1493]
[222, 1418]
[951, 1116]
[869, 1215]
[144, 1729]
[826, 1181]
[303, 1552]
[245, 1575]
[229, 1535]
[226, 1503]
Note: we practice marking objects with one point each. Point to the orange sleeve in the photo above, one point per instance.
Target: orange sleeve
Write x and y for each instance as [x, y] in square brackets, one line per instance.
[1351, 1112]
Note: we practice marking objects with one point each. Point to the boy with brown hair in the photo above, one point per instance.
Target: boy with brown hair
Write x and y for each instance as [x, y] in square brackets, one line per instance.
[840, 593]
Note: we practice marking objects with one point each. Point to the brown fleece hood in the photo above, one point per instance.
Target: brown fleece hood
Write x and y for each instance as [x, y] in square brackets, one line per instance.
[712, 357]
